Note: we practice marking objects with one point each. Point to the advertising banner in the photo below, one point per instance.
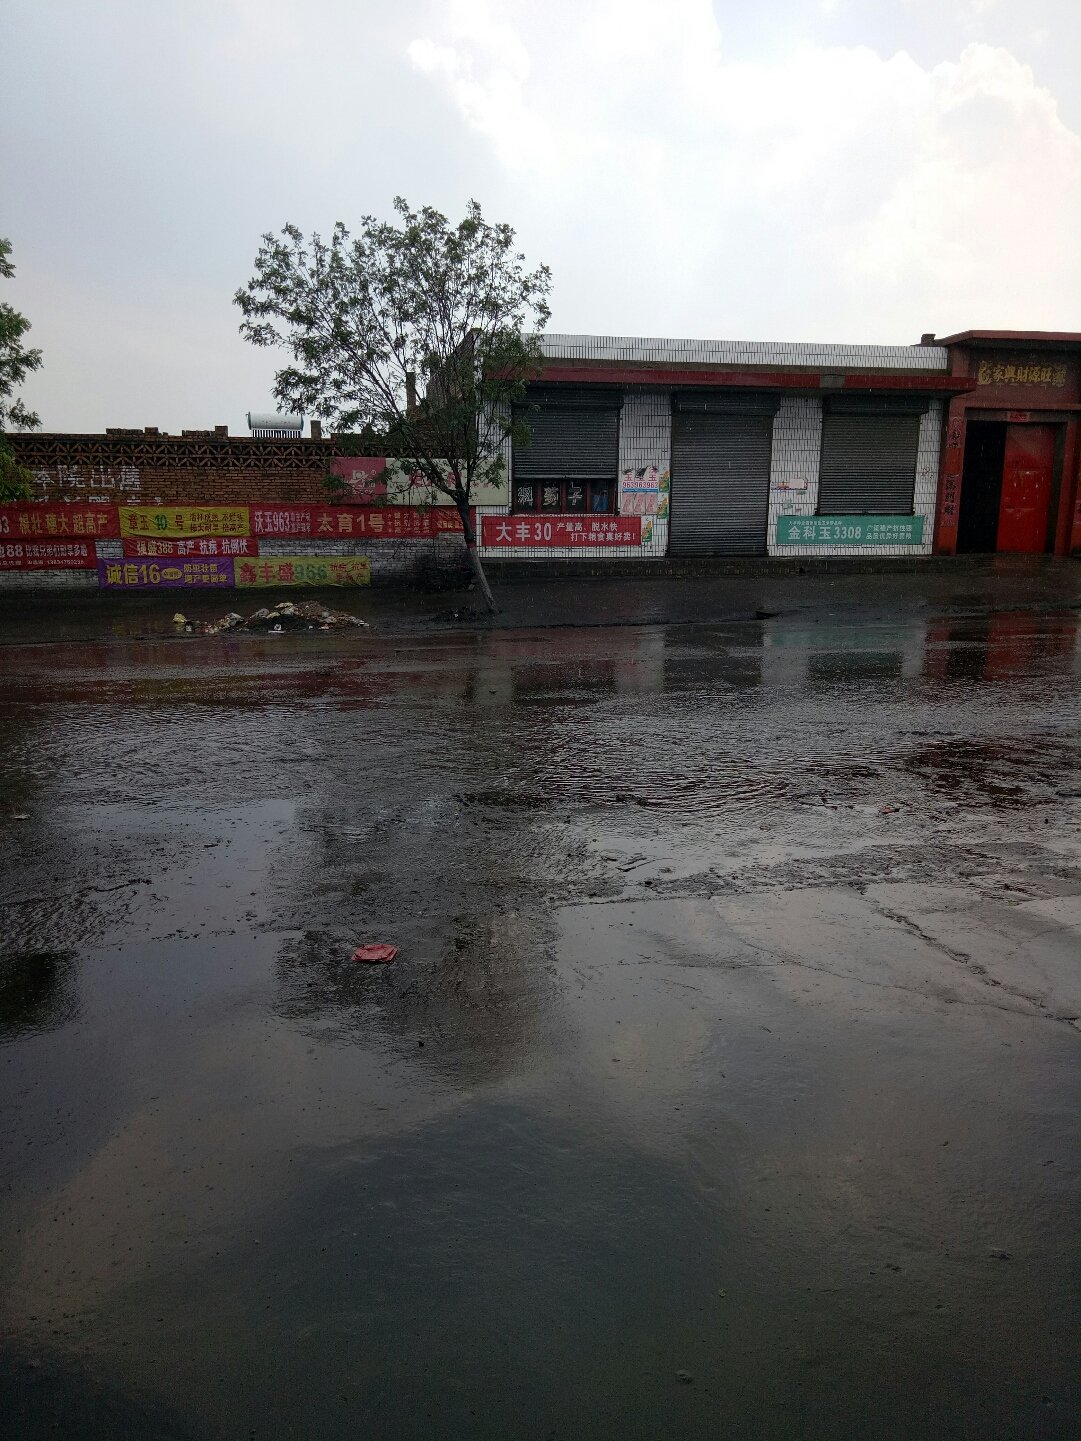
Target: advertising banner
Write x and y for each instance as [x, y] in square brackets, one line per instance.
[47, 555]
[304, 570]
[337, 522]
[206, 545]
[561, 530]
[166, 574]
[849, 529]
[95, 522]
[179, 521]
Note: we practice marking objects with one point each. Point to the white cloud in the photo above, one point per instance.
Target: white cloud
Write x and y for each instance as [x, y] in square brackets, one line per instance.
[866, 195]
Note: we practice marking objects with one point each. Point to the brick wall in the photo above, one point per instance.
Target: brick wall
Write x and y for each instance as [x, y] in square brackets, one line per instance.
[142, 468]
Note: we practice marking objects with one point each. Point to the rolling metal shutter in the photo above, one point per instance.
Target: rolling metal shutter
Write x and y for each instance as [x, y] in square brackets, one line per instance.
[869, 456]
[721, 447]
[574, 434]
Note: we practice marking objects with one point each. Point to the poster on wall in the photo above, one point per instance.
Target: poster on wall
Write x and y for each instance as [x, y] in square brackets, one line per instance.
[179, 521]
[849, 529]
[47, 555]
[643, 492]
[95, 522]
[364, 476]
[304, 570]
[560, 530]
[167, 574]
[138, 547]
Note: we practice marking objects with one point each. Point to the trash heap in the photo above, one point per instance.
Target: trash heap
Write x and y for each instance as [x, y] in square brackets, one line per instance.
[287, 615]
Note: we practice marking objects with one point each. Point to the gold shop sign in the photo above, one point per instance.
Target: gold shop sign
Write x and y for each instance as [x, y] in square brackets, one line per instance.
[990, 373]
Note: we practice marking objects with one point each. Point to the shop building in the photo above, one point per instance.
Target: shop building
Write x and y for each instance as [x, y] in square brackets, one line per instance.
[642, 447]
[1009, 475]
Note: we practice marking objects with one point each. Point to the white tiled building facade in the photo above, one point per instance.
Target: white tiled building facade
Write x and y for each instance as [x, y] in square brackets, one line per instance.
[801, 377]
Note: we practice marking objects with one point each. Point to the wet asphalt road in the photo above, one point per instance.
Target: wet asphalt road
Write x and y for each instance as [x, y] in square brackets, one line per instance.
[727, 1082]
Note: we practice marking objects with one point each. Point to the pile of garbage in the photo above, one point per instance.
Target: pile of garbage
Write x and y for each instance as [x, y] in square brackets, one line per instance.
[287, 615]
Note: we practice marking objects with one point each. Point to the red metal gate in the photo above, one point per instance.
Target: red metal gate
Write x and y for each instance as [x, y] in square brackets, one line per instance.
[1027, 483]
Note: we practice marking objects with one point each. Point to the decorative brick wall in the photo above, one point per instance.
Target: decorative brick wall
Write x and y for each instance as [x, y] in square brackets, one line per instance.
[142, 468]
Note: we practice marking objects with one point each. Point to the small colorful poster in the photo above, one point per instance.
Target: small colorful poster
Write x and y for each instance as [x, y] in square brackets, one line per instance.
[304, 570]
[560, 530]
[95, 522]
[179, 521]
[643, 491]
[47, 555]
[360, 472]
[139, 548]
[167, 574]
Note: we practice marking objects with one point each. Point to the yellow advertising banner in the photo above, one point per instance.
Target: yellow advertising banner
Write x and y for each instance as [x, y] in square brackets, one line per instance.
[173, 522]
[303, 570]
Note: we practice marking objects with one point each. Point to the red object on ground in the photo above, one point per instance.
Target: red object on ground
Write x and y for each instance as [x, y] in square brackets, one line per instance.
[377, 952]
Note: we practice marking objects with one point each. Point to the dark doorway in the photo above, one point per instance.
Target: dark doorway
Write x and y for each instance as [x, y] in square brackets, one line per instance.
[981, 486]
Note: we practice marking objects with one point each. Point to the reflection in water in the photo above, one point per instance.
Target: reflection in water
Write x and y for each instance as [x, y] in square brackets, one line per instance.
[37, 992]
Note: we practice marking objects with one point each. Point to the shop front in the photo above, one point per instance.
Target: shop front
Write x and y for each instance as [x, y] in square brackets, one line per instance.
[1009, 479]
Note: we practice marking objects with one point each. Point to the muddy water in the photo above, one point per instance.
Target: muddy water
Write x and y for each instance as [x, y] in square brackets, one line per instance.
[726, 1083]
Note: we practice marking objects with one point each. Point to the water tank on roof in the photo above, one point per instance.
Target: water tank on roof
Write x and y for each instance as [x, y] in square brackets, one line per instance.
[275, 425]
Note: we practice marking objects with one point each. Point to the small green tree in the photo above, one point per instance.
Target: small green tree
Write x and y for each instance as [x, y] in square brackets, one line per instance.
[16, 482]
[422, 330]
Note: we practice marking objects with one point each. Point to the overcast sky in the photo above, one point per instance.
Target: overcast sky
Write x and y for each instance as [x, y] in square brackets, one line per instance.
[836, 170]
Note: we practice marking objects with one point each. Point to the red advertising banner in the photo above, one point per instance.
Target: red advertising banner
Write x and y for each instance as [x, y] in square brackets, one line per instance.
[347, 522]
[95, 522]
[47, 555]
[561, 530]
[359, 472]
[138, 548]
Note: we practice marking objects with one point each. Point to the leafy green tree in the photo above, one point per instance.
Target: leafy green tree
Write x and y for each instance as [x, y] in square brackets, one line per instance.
[15, 364]
[422, 330]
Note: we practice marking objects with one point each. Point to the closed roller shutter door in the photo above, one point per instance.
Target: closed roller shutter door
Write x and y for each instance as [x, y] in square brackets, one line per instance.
[720, 479]
[574, 435]
[869, 459]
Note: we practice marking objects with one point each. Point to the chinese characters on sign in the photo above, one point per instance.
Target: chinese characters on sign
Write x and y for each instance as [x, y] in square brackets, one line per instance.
[47, 555]
[560, 530]
[150, 574]
[205, 545]
[178, 521]
[304, 570]
[336, 522]
[94, 522]
[849, 529]
[990, 373]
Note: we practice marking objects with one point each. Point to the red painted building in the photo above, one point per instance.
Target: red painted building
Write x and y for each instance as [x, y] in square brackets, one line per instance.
[1009, 475]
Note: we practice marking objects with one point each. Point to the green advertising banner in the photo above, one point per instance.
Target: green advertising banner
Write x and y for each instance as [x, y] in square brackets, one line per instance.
[849, 529]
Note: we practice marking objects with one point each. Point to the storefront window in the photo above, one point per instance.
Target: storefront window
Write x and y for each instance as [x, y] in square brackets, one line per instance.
[561, 496]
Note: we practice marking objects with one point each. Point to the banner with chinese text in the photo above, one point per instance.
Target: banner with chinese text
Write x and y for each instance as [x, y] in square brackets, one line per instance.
[179, 521]
[304, 570]
[849, 529]
[139, 547]
[94, 522]
[152, 574]
[47, 555]
[561, 530]
[337, 522]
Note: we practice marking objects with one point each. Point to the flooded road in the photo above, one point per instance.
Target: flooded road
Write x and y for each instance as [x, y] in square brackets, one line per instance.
[726, 1083]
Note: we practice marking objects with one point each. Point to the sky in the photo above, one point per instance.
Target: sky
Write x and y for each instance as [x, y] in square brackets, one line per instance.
[828, 170]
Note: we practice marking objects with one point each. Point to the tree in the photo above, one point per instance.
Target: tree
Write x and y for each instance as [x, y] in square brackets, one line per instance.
[16, 482]
[424, 331]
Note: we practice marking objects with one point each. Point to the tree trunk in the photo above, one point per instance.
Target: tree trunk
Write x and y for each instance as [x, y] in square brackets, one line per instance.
[474, 557]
